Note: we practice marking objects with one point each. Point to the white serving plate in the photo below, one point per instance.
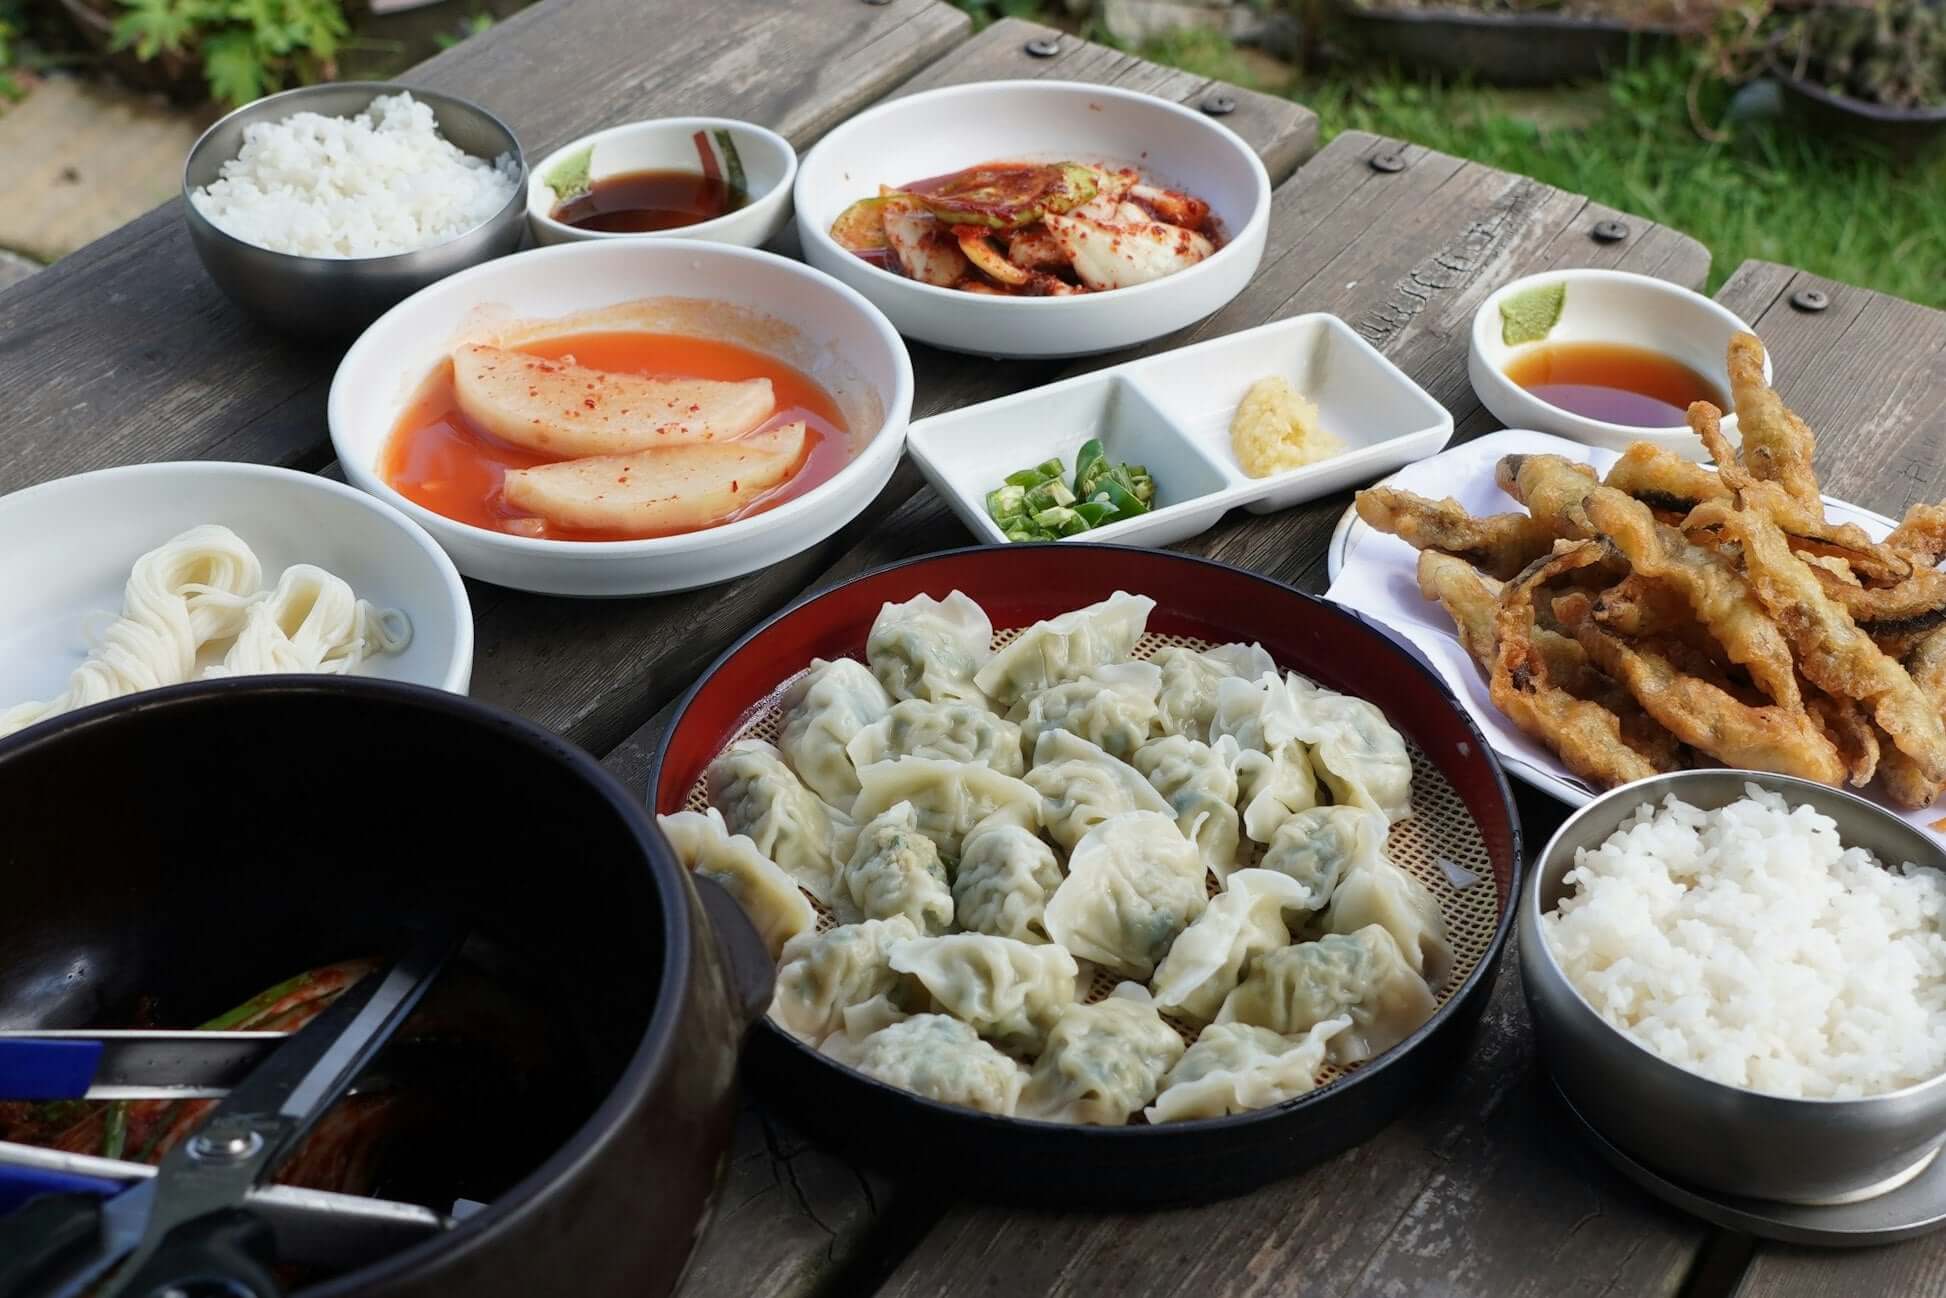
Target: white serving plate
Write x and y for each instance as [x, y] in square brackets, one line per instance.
[1608, 306]
[1377, 575]
[938, 131]
[834, 335]
[66, 548]
[668, 143]
[1172, 413]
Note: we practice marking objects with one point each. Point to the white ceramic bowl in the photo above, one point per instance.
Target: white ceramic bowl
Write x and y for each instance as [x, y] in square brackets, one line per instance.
[1610, 306]
[1172, 413]
[669, 143]
[830, 332]
[928, 134]
[66, 548]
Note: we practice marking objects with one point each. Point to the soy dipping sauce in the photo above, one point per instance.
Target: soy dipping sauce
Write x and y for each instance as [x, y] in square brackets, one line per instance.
[634, 202]
[1615, 383]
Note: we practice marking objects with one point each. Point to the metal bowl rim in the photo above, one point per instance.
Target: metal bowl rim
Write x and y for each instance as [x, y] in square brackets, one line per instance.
[391, 261]
[1649, 790]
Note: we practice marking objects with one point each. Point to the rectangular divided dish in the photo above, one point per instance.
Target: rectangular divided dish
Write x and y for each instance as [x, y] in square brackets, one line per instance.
[1172, 413]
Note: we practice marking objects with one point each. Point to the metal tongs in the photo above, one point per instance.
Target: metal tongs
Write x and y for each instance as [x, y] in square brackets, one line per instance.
[194, 1227]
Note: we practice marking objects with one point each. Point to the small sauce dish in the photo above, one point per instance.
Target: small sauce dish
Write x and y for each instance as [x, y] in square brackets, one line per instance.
[691, 161]
[1651, 328]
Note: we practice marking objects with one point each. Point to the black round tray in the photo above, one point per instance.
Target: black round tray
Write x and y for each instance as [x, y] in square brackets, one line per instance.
[1502, 49]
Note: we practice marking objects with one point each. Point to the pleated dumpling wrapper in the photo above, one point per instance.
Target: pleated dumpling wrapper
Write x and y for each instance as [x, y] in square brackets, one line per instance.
[676, 489]
[558, 408]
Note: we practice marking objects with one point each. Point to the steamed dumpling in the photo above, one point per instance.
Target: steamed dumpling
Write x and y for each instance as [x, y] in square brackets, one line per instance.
[1187, 700]
[1320, 846]
[1199, 782]
[1355, 749]
[1079, 786]
[1379, 892]
[955, 732]
[821, 976]
[1103, 1061]
[770, 897]
[949, 797]
[1112, 707]
[895, 870]
[1006, 875]
[1234, 1068]
[1134, 883]
[1011, 992]
[930, 648]
[824, 710]
[1242, 922]
[1361, 975]
[760, 796]
[938, 1057]
[1274, 776]
[1065, 648]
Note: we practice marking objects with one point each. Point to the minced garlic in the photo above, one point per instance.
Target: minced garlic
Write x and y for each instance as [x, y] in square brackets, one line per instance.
[1276, 428]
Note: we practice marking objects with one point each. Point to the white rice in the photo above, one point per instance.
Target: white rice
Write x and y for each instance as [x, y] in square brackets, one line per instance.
[380, 183]
[1750, 946]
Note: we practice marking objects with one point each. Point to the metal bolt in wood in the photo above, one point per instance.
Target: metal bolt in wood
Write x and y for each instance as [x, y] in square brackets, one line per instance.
[1388, 163]
[1044, 47]
[1810, 299]
[1220, 105]
[1609, 231]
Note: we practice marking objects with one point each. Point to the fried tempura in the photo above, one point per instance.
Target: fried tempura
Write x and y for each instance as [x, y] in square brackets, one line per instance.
[1805, 525]
[1552, 489]
[1777, 446]
[1845, 724]
[1663, 480]
[1587, 736]
[1707, 718]
[1639, 605]
[1832, 651]
[1904, 781]
[1921, 535]
[1720, 599]
[1501, 544]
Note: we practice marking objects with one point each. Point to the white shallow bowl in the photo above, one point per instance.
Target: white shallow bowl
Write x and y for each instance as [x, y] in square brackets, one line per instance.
[669, 143]
[939, 131]
[66, 548]
[831, 333]
[1609, 306]
[1172, 413]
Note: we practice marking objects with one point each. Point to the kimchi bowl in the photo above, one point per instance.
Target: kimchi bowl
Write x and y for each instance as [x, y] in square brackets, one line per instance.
[929, 135]
[536, 309]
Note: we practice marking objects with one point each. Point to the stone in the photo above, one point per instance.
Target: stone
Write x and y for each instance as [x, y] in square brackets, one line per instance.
[1133, 22]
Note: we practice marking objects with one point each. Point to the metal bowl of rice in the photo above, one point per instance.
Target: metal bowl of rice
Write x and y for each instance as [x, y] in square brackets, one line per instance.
[1729, 990]
[318, 209]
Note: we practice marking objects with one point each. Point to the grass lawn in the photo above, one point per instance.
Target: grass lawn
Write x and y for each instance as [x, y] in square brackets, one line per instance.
[1768, 191]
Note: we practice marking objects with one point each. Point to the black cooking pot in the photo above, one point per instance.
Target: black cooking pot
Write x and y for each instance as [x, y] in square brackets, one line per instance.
[196, 844]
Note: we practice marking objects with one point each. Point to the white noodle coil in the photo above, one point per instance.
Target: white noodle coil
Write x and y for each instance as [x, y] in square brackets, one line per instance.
[201, 588]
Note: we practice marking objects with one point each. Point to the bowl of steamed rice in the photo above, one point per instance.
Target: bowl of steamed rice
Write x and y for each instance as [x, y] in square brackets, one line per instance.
[1740, 980]
[320, 208]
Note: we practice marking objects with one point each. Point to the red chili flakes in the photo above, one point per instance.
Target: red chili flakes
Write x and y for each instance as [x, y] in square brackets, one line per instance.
[589, 402]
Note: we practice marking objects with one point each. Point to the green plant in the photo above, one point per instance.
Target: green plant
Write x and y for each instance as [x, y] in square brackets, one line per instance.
[1890, 52]
[472, 25]
[985, 11]
[247, 48]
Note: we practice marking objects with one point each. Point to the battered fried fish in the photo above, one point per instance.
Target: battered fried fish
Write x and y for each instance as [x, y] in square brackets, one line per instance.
[1805, 524]
[1501, 544]
[1921, 535]
[1709, 582]
[1832, 651]
[1663, 480]
[1705, 717]
[1904, 781]
[1587, 736]
[1552, 488]
[1848, 728]
[1777, 446]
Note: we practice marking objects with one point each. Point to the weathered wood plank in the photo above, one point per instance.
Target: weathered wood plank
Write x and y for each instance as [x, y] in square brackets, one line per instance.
[595, 670]
[1868, 373]
[1905, 1270]
[126, 352]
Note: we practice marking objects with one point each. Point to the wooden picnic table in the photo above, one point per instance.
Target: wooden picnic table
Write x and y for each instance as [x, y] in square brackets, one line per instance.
[126, 352]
